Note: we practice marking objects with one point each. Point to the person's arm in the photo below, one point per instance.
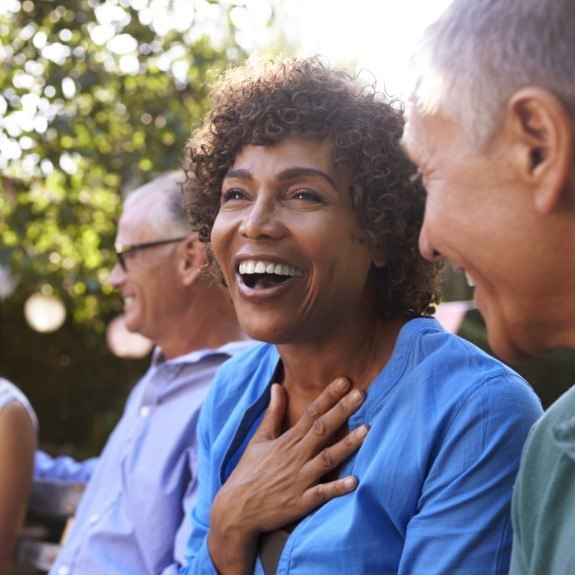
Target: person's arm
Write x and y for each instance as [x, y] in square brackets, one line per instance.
[277, 480]
[17, 446]
[463, 522]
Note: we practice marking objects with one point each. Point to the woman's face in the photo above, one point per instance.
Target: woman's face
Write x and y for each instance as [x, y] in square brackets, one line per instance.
[289, 245]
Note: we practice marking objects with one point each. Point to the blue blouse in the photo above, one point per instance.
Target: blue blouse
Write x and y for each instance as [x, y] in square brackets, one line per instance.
[447, 425]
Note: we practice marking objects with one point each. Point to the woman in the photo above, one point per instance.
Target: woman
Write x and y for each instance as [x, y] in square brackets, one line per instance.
[17, 445]
[403, 465]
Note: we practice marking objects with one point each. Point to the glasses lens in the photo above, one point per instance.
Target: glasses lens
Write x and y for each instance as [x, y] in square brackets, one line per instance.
[122, 249]
[121, 261]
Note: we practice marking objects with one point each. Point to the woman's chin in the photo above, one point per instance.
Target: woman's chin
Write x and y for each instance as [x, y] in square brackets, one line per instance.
[272, 333]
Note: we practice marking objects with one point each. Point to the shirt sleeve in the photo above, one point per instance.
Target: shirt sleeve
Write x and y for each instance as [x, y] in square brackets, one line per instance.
[197, 556]
[62, 468]
[463, 523]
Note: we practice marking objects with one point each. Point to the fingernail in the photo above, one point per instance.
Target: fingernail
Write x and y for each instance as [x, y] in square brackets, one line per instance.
[356, 396]
[341, 384]
[349, 483]
[361, 431]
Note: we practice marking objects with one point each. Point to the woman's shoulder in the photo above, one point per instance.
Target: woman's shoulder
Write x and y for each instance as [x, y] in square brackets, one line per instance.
[426, 341]
[430, 353]
[240, 382]
[246, 373]
[254, 358]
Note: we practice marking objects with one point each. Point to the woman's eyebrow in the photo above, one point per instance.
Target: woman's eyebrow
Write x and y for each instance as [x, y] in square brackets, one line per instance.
[291, 173]
[239, 173]
[287, 174]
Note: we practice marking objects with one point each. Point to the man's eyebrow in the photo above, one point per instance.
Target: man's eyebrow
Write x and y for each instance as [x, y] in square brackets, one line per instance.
[417, 176]
[416, 156]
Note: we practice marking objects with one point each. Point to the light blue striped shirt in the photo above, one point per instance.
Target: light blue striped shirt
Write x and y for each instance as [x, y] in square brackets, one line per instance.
[133, 516]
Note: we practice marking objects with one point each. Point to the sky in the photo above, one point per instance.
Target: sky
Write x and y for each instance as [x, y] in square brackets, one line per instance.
[379, 34]
[375, 36]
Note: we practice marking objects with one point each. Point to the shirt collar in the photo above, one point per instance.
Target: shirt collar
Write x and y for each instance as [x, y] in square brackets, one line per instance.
[230, 348]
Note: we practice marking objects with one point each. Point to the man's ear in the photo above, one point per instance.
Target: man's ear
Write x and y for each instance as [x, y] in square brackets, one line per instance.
[543, 140]
[193, 258]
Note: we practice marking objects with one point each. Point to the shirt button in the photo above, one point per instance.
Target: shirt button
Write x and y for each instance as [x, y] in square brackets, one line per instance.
[93, 518]
[145, 410]
[64, 570]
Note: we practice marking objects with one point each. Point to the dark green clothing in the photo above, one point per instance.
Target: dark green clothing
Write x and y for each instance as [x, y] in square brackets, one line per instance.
[544, 495]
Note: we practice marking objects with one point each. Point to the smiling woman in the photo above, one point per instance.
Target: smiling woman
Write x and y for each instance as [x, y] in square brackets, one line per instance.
[280, 206]
[360, 414]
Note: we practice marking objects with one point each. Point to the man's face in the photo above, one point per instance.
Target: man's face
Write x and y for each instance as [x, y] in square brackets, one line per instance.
[150, 286]
[480, 217]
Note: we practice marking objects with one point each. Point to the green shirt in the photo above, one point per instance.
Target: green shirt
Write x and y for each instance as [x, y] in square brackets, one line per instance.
[543, 508]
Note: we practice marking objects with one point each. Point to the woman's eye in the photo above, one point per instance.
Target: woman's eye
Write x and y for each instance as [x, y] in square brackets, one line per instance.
[307, 195]
[232, 194]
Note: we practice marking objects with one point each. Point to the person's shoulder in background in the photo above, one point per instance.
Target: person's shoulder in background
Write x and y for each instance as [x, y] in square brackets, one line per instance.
[17, 446]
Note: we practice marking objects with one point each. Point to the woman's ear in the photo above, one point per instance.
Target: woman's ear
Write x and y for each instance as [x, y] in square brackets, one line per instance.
[380, 258]
[542, 140]
[193, 258]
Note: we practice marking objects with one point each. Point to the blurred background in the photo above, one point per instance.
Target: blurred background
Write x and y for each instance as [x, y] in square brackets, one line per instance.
[99, 96]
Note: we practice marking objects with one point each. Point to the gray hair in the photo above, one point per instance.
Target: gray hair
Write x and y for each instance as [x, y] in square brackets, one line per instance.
[173, 218]
[479, 53]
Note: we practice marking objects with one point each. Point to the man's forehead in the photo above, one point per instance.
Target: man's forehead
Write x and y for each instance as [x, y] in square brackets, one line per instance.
[427, 135]
[135, 223]
[411, 141]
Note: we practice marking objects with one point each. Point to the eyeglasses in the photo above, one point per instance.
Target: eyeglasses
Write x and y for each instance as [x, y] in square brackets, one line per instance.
[122, 249]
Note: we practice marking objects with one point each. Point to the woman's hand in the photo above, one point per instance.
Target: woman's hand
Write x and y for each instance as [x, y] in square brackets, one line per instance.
[277, 480]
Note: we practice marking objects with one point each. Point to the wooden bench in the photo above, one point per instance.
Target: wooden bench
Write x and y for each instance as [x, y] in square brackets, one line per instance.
[51, 510]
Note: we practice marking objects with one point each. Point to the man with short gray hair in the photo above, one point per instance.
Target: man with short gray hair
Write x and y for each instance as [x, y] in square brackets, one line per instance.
[132, 519]
[491, 126]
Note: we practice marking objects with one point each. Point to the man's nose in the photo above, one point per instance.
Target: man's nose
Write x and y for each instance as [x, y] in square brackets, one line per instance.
[426, 247]
[117, 275]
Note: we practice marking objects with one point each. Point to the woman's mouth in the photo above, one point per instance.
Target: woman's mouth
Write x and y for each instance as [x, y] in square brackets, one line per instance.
[264, 274]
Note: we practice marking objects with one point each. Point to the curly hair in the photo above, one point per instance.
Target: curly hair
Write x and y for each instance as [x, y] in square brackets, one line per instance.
[260, 103]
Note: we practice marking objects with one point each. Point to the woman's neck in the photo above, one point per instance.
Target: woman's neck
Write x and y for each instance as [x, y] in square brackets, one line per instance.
[309, 368]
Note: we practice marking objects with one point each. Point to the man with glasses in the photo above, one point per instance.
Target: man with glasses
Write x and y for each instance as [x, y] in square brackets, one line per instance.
[133, 515]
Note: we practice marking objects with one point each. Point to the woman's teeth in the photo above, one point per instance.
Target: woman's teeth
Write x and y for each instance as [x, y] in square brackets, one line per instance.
[261, 267]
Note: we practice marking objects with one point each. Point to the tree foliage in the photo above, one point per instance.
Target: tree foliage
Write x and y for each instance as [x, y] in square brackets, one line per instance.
[96, 97]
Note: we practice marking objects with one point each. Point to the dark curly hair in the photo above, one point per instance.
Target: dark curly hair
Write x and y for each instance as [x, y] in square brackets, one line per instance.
[259, 103]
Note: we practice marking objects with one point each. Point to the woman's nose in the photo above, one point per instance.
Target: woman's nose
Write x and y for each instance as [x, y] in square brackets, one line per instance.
[262, 220]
